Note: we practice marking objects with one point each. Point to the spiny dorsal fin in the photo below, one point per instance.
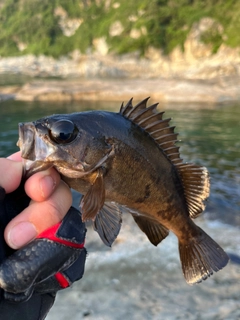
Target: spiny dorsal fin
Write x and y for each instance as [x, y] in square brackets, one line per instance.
[149, 119]
[195, 179]
[127, 107]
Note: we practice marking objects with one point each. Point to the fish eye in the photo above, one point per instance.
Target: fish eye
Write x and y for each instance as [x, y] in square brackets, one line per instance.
[63, 131]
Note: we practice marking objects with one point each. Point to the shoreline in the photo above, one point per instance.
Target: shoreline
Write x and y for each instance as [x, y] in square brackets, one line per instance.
[219, 90]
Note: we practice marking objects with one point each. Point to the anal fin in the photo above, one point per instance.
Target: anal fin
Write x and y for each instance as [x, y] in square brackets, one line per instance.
[108, 222]
[93, 200]
[154, 230]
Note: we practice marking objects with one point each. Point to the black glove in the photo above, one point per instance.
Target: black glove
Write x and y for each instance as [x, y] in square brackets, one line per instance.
[31, 276]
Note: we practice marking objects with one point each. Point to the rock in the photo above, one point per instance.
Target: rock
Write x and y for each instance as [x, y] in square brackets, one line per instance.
[8, 92]
[162, 90]
[101, 46]
[194, 48]
[67, 25]
[135, 33]
[116, 29]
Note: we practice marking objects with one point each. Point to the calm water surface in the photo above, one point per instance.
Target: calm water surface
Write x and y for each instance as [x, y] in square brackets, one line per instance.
[209, 136]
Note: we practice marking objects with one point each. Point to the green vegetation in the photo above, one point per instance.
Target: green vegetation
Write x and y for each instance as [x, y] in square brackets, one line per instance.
[36, 27]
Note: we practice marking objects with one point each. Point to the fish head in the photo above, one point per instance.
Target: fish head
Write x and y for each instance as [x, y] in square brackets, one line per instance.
[69, 143]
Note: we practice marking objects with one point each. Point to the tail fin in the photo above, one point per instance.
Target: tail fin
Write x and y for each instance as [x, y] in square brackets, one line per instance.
[201, 257]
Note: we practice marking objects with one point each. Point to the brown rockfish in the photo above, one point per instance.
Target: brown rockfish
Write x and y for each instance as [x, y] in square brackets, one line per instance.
[128, 160]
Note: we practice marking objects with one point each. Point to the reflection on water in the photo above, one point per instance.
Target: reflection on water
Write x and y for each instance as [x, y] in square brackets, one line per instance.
[13, 79]
[209, 136]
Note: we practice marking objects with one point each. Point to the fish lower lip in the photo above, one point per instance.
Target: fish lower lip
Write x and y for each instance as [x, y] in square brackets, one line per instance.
[31, 167]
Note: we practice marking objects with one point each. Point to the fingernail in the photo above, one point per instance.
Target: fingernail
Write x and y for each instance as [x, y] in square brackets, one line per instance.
[47, 185]
[21, 234]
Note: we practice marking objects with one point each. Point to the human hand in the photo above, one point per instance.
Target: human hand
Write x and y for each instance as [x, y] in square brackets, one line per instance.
[50, 200]
[55, 257]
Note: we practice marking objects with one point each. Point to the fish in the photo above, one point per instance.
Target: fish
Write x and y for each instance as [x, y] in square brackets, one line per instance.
[128, 161]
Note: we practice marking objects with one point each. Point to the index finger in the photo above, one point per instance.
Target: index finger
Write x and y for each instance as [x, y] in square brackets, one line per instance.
[15, 156]
[10, 174]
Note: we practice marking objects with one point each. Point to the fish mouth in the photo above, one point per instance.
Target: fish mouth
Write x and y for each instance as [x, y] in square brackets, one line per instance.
[26, 140]
[33, 150]
[30, 167]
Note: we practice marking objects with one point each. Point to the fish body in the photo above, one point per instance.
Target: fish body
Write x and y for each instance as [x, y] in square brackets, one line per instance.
[128, 161]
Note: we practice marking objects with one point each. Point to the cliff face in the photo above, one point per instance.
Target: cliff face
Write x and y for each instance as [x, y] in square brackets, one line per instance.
[197, 60]
[176, 38]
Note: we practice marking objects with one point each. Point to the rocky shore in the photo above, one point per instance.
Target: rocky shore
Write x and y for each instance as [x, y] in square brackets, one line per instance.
[98, 77]
[163, 90]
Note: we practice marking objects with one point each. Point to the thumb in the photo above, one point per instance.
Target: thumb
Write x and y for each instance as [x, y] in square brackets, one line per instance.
[37, 217]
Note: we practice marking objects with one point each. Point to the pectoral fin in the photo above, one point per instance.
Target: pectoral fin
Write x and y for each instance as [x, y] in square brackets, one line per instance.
[155, 231]
[108, 222]
[93, 200]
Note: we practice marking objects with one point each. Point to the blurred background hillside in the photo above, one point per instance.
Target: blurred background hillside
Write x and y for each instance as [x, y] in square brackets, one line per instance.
[59, 27]
[167, 38]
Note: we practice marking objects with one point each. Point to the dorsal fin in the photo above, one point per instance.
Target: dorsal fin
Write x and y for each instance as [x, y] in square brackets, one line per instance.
[127, 107]
[195, 179]
[149, 119]
[196, 185]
